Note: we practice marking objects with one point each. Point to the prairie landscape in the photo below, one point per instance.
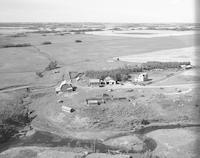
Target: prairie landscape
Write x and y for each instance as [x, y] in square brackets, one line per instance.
[123, 117]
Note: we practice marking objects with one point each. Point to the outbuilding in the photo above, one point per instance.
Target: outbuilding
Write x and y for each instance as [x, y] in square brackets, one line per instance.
[109, 80]
[186, 67]
[95, 101]
[94, 82]
[67, 109]
[142, 77]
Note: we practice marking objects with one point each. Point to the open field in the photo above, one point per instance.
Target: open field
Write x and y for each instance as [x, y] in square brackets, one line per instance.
[181, 54]
[172, 141]
[115, 127]
[143, 33]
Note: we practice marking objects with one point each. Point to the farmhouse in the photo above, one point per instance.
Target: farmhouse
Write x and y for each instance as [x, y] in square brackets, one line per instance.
[109, 80]
[95, 101]
[186, 67]
[142, 77]
[94, 82]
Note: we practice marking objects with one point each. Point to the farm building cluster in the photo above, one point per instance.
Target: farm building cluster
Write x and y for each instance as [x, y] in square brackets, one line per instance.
[110, 81]
[67, 86]
[101, 83]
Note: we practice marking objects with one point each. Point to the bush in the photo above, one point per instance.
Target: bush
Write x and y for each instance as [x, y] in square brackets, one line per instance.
[19, 35]
[124, 77]
[145, 122]
[78, 41]
[39, 74]
[14, 116]
[52, 65]
[6, 132]
[46, 43]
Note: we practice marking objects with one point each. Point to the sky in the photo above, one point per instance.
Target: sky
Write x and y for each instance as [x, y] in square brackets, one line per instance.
[133, 11]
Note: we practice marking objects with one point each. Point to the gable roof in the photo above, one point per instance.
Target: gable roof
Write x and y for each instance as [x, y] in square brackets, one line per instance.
[94, 99]
[108, 78]
[143, 74]
[94, 80]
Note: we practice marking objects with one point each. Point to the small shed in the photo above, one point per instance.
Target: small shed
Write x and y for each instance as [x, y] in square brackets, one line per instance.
[142, 77]
[109, 80]
[188, 67]
[67, 109]
[94, 82]
[95, 101]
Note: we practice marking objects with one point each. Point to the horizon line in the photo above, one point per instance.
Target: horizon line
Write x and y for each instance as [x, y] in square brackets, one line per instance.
[104, 22]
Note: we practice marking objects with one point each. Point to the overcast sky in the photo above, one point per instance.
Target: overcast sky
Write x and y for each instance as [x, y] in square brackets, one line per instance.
[97, 11]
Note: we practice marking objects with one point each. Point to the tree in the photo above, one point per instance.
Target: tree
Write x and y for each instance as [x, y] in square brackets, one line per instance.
[52, 65]
[39, 74]
[13, 117]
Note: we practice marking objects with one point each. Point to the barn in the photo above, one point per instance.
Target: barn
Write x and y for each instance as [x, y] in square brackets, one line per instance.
[64, 87]
[142, 77]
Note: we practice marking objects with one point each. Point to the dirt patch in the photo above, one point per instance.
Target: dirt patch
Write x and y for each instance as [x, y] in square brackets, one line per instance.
[175, 142]
[130, 142]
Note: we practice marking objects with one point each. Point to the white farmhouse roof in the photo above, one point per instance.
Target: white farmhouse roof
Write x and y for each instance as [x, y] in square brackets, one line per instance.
[94, 80]
[108, 78]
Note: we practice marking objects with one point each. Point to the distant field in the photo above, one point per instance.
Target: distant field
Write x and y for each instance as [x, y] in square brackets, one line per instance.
[11, 30]
[143, 33]
[93, 49]
[171, 55]
[137, 33]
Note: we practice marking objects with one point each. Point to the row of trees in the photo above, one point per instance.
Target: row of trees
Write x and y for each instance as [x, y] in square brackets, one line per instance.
[123, 74]
[15, 45]
[162, 65]
[120, 74]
